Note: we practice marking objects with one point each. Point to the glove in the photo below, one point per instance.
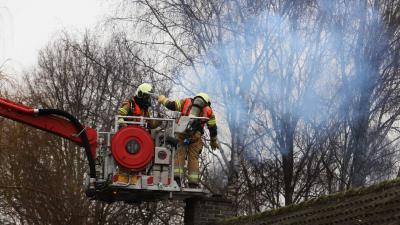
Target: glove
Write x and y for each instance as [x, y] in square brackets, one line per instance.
[162, 99]
[213, 143]
[121, 123]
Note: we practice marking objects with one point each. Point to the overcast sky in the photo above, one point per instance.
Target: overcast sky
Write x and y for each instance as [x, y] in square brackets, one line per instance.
[27, 25]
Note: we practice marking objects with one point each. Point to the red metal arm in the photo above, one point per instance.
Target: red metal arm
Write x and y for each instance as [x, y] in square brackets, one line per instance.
[50, 123]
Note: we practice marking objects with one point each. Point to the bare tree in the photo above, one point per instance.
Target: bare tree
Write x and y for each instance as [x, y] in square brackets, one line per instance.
[304, 91]
[89, 80]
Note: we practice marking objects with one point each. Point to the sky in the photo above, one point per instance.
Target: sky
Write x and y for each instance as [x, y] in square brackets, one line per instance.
[26, 26]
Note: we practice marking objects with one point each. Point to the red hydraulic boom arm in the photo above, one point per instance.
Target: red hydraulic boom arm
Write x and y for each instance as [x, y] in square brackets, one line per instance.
[57, 122]
[50, 123]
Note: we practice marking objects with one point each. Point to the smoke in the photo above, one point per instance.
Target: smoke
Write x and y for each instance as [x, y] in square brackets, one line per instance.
[270, 70]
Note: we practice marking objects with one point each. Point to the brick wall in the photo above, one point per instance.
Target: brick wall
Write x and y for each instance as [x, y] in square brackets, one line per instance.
[376, 205]
[202, 210]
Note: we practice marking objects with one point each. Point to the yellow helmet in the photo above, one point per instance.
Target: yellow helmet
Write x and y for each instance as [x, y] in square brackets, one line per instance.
[205, 97]
[144, 88]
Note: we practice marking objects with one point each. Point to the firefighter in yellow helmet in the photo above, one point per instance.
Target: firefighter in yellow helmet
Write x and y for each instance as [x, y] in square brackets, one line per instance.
[137, 105]
[199, 106]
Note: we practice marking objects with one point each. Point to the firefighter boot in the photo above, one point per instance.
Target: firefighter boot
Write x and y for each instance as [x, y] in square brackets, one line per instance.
[194, 185]
[178, 181]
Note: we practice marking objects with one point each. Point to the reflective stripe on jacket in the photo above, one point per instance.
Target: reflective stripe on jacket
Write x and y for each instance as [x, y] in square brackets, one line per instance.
[130, 108]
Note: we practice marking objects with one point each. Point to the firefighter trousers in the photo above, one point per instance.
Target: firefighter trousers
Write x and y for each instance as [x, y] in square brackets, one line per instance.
[191, 150]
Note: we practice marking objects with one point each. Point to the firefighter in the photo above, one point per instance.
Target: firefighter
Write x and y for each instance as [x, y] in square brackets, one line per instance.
[190, 141]
[137, 105]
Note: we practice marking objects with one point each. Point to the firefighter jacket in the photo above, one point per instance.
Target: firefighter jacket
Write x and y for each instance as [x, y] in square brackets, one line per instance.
[185, 105]
[131, 108]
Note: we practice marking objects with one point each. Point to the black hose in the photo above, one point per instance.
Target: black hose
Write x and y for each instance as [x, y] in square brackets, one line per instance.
[83, 135]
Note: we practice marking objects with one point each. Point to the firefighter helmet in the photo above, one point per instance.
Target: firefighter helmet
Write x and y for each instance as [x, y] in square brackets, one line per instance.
[144, 88]
[205, 97]
[142, 95]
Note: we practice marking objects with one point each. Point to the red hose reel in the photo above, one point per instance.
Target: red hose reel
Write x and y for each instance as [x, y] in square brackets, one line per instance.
[132, 148]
